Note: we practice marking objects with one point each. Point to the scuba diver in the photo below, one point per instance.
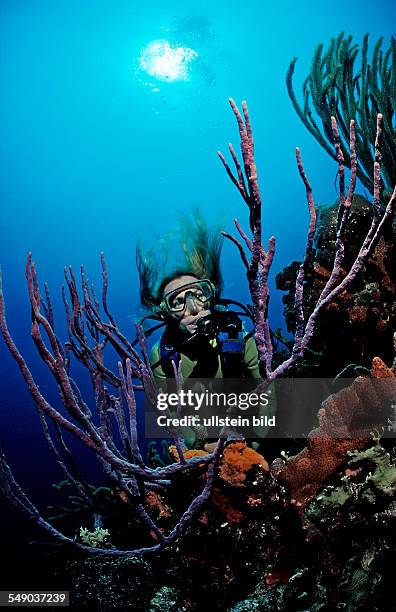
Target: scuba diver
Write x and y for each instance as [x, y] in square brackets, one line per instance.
[202, 334]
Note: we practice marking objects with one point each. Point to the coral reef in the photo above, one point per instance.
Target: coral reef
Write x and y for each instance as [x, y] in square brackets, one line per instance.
[217, 524]
[364, 314]
[104, 583]
[260, 262]
[346, 561]
[357, 513]
[166, 599]
[345, 422]
[91, 329]
[377, 486]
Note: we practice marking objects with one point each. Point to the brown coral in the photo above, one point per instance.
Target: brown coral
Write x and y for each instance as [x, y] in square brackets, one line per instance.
[156, 503]
[237, 460]
[365, 314]
[379, 260]
[380, 369]
[345, 422]
[358, 314]
[226, 506]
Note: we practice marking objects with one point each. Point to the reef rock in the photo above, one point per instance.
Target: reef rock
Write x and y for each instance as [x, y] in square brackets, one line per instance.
[358, 324]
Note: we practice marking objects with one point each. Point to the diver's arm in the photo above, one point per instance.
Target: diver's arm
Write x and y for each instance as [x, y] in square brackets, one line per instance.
[251, 358]
[154, 357]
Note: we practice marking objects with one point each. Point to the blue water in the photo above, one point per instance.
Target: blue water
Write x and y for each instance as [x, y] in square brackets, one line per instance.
[96, 153]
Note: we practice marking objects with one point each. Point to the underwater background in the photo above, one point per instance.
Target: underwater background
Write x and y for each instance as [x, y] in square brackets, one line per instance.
[100, 147]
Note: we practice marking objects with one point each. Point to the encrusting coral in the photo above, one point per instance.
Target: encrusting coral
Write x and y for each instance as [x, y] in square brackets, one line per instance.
[232, 494]
[379, 482]
[236, 463]
[237, 460]
[346, 420]
[187, 454]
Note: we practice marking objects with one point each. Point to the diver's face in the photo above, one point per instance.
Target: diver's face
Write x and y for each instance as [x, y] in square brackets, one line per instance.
[193, 310]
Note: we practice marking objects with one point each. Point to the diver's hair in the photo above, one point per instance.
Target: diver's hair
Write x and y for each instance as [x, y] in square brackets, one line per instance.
[201, 250]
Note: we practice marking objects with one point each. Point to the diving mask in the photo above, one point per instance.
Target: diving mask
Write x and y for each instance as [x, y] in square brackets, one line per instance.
[200, 291]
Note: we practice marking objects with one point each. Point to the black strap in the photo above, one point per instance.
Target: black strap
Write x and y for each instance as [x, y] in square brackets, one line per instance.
[168, 353]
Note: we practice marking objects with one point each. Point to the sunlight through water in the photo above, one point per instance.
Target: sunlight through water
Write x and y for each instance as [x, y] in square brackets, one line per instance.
[167, 62]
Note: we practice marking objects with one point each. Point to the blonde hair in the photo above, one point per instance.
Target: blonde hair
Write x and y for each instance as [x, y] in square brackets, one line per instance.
[200, 248]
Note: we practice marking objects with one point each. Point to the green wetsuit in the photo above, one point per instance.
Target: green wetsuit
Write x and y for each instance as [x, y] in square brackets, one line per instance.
[208, 365]
[204, 361]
